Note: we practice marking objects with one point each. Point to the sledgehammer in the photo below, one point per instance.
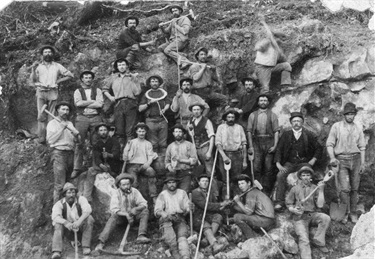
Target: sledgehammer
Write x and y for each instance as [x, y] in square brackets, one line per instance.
[69, 127]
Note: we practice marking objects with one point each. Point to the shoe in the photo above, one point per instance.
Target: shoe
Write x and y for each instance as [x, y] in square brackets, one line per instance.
[204, 242]
[175, 253]
[143, 240]
[353, 217]
[86, 251]
[99, 247]
[56, 255]
[216, 247]
[75, 173]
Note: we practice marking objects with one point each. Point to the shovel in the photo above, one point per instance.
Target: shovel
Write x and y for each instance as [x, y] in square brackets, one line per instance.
[75, 244]
[337, 211]
[256, 183]
[227, 197]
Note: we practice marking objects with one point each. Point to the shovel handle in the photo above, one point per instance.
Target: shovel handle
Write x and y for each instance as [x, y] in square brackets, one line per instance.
[191, 216]
[123, 241]
[75, 244]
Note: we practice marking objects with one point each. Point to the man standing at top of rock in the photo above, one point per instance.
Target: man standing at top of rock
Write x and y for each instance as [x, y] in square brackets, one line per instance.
[45, 77]
[126, 88]
[346, 146]
[130, 43]
[155, 104]
[182, 101]
[178, 30]
[270, 58]
[248, 101]
[205, 79]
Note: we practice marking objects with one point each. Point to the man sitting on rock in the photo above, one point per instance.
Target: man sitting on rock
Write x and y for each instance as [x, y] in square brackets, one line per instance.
[127, 204]
[270, 58]
[72, 212]
[254, 208]
[306, 213]
[171, 207]
[213, 219]
[106, 158]
[130, 42]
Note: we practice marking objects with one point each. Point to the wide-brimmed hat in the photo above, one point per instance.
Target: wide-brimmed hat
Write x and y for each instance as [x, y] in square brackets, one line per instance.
[236, 114]
[63, 103]
[161, 81]
[176, 6]
[101, 125]
[171, 177]
[269, 98]
[124, 176]
[47, 47]
[87, 72]
[349, 108]
[190, 80]
[199, 50]
[141, 125]
[178, 126]
[249, 78]
[305, 168]
[196, 104]
[69, 186]
[131, 18]
[295, 114]
[119, 60]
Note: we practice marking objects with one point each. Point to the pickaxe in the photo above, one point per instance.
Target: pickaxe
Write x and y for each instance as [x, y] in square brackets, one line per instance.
[69, 127]
[190, 16]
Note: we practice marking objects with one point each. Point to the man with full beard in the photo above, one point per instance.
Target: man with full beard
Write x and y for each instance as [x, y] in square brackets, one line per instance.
[248, 101]
[45, 77]
[130, 42]
[263, 134]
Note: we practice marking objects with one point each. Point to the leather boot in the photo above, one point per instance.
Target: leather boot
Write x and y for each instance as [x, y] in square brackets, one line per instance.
[246, 230]
[175, 253]
[216, 247]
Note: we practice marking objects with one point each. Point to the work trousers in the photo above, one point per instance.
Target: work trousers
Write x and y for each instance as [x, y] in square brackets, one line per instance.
[83, 125]
[171, 48]
[264, 74]
[149, 175]
[62, 169]
[209, 219]
[236, 169]
[115, 220]
[85, 229]
[45, 97]
[301, 226]
[349, 179]
[157, 133]
[248, 222]
[131, 55]
[125, 118]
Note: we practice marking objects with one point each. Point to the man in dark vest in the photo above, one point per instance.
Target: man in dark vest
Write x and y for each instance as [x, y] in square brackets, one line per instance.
[248, 101]
[89, 100]
[296, 147]
[263, 135]
[73, 213]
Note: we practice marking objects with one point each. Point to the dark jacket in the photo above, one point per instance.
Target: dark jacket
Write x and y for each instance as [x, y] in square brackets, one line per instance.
[112, 145]
[199, 199]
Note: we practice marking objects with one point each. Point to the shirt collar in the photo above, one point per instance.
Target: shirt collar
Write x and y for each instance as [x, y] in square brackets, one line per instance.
[297, 131]
[263, 110]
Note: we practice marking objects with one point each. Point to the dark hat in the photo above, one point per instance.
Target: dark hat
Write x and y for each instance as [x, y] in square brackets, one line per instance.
[178, 126]
[199, 50]
[124, 176]
[119, 60]
[232, 83]
[47, 47]
[236, 114]
[171, 177]
[161, 81]
[305, 168]
[101, 125]
[196, 104]
[63, 103]
[295, 114]
[87, 72]
[264, 95]
[249, 78]
[69, 186]
[204, 175]
[190, 80]
[243, 177]
[176, 6]
[141, 125]
[279, 34]
[131, 18]
[349, 108]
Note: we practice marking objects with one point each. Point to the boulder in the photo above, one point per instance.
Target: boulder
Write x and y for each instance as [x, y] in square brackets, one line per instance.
[315, 71]
[103, 191]
[94, 54]
[354, 66]
[333, 5]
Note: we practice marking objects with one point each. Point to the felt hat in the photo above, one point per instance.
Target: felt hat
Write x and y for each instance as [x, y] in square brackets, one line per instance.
[63, 103]
[236, 114]
[196, 104]
[199, 50]
[141, 125]
[178, 126]
[120, 60]
[295, 114]
[305, 168]
[101, 125]
[87, 72]
[190, 80]
[69, 186]
[131, 18]
[124, 176]
[47, 47]
[204, 175]
[176, 6]
[171, 177]
[349, 108]
[264, 95]
[249, 78]
[243, 177]
[232, 83]
[161, 81]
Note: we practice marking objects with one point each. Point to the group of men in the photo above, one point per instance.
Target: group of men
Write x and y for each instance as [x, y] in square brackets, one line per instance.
[249, 132]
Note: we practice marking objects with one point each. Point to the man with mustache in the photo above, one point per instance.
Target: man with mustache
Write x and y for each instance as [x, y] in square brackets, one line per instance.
[183, 99]
[130, 42]
[45, 77]
[346, 146]
[127, 205]
[62, 141]
[231, 143]
[178, 31]
[263, 135]
[248, 101]
[72, 213]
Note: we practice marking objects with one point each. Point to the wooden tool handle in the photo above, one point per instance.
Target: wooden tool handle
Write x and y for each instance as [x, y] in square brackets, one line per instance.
[191, 216]
[123, 241]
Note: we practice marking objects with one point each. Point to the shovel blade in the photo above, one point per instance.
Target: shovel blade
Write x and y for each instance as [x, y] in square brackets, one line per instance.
[227, 166]
[337, 211]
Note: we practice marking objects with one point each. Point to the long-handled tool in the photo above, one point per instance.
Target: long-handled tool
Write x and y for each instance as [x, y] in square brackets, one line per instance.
[190, 16]
[75, 243]
[191, 217]
[227, 167]
[337, 211]
[69, 127]
[326, 178]
[256, 183]
[274, 243]
[199, 168]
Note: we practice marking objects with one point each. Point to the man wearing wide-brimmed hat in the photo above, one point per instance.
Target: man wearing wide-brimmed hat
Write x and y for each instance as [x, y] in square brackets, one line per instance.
[130, 42]
[206, 80]
[126, 88]
[172, 205]
[346, 145]
[72, 213]
[308, 212]
[88, 100]
[263, 135]
[62, 137]
[183, 99]
[127, 205]
[138, 156]
[231, 143]
[45, 77]
[296, 147]
[270, 58]
[155, 103]
[178, 31]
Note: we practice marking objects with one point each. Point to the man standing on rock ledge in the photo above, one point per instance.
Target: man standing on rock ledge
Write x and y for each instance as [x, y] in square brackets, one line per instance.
[346, 146]
[44, 76]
